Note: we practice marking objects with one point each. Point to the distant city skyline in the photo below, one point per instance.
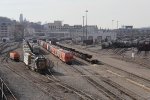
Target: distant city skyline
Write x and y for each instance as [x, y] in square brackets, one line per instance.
[100, 12]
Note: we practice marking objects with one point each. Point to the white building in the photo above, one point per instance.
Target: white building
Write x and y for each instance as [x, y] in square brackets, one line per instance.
[58, 30]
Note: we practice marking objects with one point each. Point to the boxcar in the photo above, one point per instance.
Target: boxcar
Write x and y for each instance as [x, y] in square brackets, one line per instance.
[65, 56]
[14, 56]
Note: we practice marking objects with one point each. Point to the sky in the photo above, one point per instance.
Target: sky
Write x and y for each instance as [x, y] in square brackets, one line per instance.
[100, 12]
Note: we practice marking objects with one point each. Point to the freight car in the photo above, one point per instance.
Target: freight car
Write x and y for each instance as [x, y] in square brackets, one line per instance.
[69, 54]
[62, 54]
[14, 56]
[65, 56]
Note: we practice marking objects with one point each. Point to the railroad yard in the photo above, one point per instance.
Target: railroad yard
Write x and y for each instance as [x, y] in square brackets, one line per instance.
[110, 74]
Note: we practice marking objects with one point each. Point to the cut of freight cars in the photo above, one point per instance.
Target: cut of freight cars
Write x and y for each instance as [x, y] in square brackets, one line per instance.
[84, 56]
[14, 56]
[63, 55]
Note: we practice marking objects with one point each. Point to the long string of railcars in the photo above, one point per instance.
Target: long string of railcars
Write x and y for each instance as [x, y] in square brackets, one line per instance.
[139, 45]
[65, 53]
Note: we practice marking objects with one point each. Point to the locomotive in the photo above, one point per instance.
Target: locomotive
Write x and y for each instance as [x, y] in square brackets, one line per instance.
[39, 63]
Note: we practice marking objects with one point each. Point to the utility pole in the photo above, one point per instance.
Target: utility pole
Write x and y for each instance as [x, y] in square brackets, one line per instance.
[86, 23]
[83, 27]
[117, 24]
[112, 24]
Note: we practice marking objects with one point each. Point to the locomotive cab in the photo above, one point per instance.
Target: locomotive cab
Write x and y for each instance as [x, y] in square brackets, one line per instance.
[40, 63]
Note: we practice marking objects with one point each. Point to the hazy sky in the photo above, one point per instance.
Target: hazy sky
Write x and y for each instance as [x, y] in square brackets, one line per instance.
[101, 12]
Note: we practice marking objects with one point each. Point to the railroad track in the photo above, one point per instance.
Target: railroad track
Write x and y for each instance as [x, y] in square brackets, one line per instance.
[99, 87]
[6, 93]
[143, 62]
[130, 75]
[5, 53]
[33, 81]
[52, 78]
[107, 92]
[2, 47]
[81, 94]
[121, 89]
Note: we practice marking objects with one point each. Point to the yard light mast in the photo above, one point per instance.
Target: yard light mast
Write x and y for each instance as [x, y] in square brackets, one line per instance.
[86, 23]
